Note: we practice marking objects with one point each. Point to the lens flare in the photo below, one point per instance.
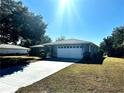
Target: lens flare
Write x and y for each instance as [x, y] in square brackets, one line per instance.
[66, 14]
[64, 3]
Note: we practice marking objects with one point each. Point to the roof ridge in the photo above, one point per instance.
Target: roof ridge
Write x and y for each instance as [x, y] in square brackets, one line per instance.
[68, 41]
[12, 46]
[73, 39]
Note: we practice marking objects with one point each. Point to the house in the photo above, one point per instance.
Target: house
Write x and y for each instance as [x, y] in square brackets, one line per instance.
[70, 48]
[12, 49]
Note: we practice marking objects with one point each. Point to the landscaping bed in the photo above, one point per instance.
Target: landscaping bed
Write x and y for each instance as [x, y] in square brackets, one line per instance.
[83, 78]
[9, 61]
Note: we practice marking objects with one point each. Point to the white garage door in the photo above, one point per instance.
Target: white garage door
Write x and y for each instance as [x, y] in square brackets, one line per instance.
[69, 52]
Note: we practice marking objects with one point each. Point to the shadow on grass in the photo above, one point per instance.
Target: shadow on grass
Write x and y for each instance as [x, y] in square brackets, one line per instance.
[77, 61]
[9, 66]
[11, 70]
[92, 61]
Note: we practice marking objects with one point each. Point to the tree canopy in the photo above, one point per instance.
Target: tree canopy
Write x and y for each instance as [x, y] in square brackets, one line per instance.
[114, 45]
[17, 23]
[60, 38]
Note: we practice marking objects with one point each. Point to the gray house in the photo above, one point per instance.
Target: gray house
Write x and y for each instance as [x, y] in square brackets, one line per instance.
[70, 48]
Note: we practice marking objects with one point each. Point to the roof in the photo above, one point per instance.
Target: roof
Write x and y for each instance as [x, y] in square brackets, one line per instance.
[8, 46]
[37, 46]
[68, 41]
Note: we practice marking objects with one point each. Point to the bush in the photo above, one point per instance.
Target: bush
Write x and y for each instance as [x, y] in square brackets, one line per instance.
[9, 62]
[87, 56]
[43, 54]
[92, 58]
[117, 52]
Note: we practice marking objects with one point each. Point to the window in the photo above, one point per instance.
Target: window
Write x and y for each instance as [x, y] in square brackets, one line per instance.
[59, 47]
[70, 46]
[77, 46]
[73, 46]
[67, 46]
[64, 46]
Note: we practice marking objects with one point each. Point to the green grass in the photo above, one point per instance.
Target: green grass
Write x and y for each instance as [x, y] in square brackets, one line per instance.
[83, 78]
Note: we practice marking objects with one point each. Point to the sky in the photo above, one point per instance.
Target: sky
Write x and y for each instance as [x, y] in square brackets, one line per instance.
[90, 20]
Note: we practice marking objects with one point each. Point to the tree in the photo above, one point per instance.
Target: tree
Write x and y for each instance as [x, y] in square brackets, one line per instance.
[106, 45]
[114, 45]
[60, 38]
[118, 36]
[18, 24]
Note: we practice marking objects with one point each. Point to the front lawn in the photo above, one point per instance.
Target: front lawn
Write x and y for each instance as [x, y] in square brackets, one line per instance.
[83, 78]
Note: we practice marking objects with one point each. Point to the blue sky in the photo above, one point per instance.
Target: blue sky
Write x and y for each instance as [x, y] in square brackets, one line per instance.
[90, 20]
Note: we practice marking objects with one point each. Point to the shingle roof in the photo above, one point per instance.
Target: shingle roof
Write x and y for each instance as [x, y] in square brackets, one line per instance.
[37, 46]
[69, 41]
[8, 46]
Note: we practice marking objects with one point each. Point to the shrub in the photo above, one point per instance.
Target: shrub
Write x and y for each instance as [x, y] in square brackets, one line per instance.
[43, 54]
[116, 52]
[9, 62]
[87, 56]
[92, 58]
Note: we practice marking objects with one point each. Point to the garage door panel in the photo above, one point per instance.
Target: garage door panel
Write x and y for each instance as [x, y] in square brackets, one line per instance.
[69, 53]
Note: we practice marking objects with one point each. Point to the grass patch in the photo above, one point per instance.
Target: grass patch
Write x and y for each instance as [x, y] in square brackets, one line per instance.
[83, 78]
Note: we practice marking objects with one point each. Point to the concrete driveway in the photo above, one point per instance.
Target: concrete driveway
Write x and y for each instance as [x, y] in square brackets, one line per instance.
[30, 74]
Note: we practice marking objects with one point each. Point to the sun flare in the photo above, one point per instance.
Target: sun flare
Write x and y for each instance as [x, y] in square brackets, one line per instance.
[64, 3]
[66, 13]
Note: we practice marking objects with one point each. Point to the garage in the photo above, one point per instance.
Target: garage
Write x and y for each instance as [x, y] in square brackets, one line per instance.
[69, 52]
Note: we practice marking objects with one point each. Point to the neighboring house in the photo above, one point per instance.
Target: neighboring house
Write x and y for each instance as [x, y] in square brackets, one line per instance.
[12, 49]
[70, 48]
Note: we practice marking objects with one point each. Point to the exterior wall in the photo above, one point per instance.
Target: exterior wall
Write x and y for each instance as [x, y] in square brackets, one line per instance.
[85, 48]
[54, 51]
[13, 51]
[93, 48]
